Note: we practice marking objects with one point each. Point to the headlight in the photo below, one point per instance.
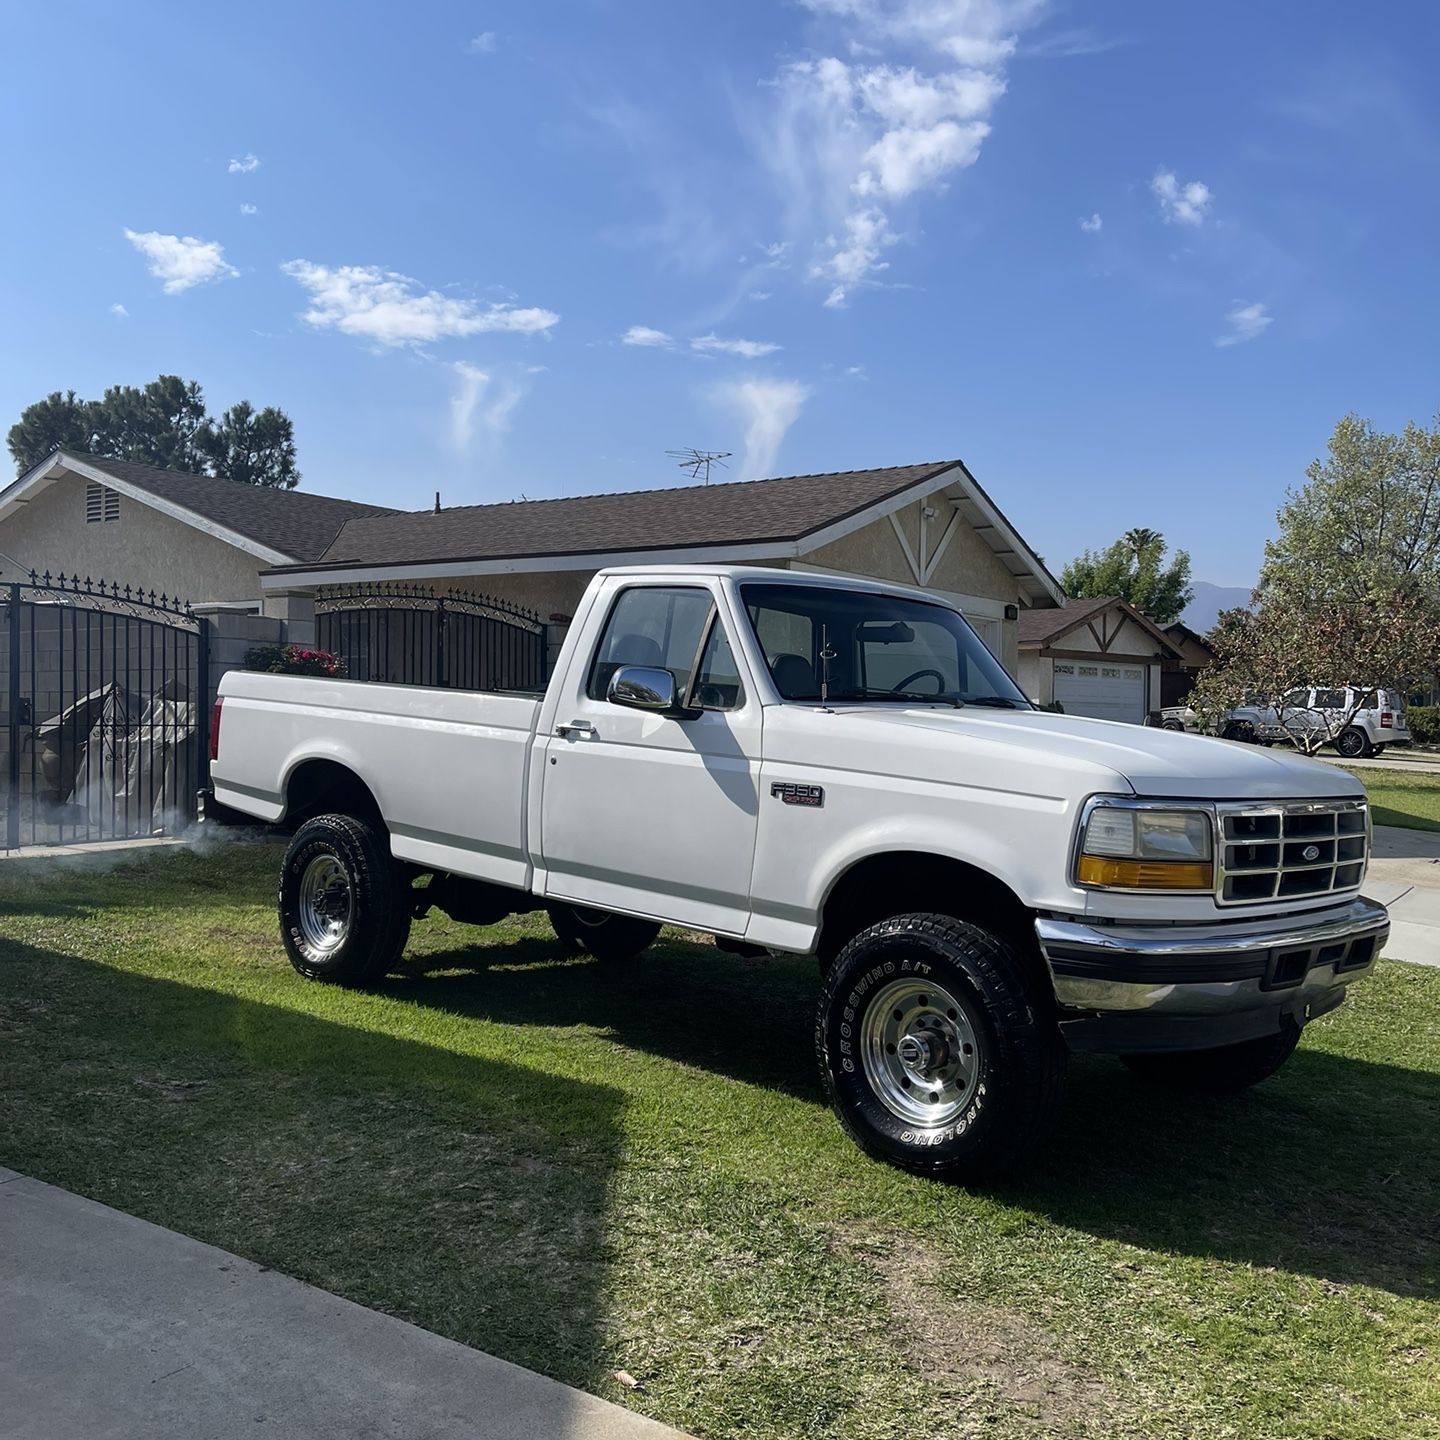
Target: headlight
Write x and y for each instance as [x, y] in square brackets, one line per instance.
[1132, 847]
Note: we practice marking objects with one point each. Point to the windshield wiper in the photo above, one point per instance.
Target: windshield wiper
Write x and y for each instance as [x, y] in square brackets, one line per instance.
[998, 702]
[859, 694]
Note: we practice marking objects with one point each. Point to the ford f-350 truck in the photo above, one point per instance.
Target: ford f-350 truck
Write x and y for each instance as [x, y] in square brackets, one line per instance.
[818, 764]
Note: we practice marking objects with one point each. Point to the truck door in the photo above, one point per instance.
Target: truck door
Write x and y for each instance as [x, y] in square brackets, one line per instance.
[646, 813]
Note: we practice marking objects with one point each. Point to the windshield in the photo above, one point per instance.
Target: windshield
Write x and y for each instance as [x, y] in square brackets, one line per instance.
[864, 646]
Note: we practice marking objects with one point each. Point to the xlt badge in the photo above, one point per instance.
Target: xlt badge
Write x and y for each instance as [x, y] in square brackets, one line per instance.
[790, 793]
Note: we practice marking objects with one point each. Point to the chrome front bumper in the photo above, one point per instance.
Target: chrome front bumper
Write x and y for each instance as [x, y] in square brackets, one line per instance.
[1163, 987]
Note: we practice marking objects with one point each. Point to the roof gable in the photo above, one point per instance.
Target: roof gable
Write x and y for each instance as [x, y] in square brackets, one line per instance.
[1041, 628]
[276, 526]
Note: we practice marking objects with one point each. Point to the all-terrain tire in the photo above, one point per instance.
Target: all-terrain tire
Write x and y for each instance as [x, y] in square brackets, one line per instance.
[1008, 1090]
[1225, 1070]
[601, 933]
[344, 902]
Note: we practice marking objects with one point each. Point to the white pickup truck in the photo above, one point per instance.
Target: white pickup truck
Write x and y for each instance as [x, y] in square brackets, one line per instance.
[824, 765]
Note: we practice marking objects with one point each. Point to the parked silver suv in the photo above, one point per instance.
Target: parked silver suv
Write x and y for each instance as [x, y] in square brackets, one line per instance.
[1357, 722]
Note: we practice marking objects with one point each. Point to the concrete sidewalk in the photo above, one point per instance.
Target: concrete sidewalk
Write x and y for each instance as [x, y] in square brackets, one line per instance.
[1405, 875]
[116, 1329]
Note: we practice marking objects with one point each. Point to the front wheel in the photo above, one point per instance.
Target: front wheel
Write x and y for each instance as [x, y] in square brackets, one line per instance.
[601, 933]
[932, 1052]
[1225, 1070]
[344, 904]
[1352, 744]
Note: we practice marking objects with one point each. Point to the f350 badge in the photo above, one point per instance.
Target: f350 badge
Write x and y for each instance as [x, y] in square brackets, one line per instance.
[789, 793]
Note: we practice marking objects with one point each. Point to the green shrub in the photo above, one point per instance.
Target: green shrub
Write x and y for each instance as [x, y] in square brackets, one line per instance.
[1424, 724]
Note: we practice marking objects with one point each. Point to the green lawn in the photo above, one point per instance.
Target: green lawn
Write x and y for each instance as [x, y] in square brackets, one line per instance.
[585, 1170]
[1402, 797]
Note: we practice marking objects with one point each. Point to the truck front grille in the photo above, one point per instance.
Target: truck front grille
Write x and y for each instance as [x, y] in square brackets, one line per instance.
[1291, 851]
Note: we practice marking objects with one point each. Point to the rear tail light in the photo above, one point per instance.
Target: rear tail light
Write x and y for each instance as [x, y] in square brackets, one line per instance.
[1387, 719]
[215, 728]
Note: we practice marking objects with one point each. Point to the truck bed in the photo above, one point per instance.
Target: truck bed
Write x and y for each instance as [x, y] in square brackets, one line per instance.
[448, 768]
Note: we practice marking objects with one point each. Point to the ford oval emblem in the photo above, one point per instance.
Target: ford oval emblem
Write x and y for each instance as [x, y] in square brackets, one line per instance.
[1311, 852]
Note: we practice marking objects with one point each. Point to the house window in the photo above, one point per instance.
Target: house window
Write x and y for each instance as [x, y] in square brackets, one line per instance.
[102, 504]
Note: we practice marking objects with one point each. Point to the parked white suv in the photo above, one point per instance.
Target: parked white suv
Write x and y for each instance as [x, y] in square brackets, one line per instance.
[831, 766]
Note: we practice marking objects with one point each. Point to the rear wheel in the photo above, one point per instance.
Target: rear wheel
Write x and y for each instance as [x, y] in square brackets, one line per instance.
[1353, 744]
[1225, 1070]
[344, 904]
[601, 933]
[931, 1050]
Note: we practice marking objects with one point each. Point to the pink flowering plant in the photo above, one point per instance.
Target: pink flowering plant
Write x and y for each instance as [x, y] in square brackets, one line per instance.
[294, 660]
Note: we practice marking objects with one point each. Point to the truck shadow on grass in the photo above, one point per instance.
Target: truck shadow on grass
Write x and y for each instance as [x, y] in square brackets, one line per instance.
[469, 1195]
[1329, 1169]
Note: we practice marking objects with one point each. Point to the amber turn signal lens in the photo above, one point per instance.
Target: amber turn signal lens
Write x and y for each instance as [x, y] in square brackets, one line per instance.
[1146, 874]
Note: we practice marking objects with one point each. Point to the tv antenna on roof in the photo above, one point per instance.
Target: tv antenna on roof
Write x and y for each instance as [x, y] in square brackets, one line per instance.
[698, 462]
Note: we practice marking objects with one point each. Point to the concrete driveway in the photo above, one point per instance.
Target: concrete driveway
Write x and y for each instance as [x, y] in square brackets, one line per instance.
[1405, 875]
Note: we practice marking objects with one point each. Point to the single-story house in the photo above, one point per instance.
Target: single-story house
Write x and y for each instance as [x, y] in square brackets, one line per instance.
[1098, 656]
[191, 536]
[1178, 677]
[927, 525]
[214, 540]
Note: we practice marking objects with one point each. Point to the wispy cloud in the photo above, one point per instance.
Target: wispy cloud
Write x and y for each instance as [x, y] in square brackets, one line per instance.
[181, 261]
[248, 209]
[119, 311]
[1070, 44]
[480, 402]
[1246, 322]
[1093, 225]
[851, 140]
[243, 165]
[746, 349]
[644, 335]
[481, 44]
[1180, 204]
[767, 408]
[388, 308]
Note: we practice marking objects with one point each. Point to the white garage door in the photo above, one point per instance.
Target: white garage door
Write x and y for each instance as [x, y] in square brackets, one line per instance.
[1104, 692]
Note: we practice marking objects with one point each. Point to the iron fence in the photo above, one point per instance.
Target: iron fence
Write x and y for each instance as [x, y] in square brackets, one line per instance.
[412, 635]
[106, 714]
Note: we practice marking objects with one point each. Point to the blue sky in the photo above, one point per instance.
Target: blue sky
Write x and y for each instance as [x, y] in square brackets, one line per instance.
[850, 233]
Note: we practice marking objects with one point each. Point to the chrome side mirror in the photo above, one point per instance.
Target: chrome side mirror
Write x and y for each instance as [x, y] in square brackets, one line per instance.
[640, 687]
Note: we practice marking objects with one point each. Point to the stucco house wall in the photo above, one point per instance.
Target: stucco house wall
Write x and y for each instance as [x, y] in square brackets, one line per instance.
[142, 548]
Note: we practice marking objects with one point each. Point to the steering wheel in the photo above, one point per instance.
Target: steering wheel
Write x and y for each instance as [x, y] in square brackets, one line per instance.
[909, 680]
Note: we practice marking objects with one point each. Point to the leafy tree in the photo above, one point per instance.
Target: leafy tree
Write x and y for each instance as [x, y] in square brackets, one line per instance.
[1135, 569]
[1349, 593]
[1367, 519]
[256, 446]
[164, 423]
[58, 422]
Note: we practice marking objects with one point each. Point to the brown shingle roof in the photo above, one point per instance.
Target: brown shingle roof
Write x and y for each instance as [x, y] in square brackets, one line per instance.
[1038, 627]
[291, 521]
[742, 512]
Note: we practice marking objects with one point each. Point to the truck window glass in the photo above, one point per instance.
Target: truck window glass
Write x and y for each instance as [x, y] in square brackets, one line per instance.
[658, 626]
[717, 681]
[877, 646]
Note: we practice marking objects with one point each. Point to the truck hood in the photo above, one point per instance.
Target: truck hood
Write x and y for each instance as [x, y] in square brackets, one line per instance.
[1150, 761]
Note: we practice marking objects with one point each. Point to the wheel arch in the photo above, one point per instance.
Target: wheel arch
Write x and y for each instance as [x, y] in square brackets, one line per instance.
[899, 881]
[319, 784]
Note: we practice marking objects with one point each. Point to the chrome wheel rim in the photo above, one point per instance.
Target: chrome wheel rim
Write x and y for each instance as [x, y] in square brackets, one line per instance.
[326, 903]
[920, 1052]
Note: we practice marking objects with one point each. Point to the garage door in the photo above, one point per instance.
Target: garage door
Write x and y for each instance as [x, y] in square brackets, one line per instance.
[1104, 692]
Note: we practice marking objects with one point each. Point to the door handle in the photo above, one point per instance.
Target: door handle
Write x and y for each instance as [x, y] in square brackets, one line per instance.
[576, 727]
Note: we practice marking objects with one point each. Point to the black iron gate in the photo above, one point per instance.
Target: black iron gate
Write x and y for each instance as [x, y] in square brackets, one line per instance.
[106, 716]
[409, 635]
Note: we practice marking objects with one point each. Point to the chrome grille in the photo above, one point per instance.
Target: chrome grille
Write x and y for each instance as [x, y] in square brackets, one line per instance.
[1291, 851]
